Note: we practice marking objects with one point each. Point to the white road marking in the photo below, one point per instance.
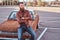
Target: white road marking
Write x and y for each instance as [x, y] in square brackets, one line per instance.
[50, 28]
[39, 38]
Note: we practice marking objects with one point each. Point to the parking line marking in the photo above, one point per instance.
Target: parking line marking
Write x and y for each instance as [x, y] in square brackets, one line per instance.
[50, 28]
[39, 38]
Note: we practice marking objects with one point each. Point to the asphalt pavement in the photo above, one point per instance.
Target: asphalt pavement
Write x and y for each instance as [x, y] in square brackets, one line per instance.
[51, 20]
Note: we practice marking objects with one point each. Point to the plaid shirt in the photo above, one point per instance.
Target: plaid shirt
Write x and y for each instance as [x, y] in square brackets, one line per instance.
[21, 14]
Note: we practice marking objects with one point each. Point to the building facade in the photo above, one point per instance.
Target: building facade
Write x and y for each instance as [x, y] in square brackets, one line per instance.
[29, 2]
[8, 2]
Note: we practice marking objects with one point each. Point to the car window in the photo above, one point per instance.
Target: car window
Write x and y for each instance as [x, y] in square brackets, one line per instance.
[32, 14]
[13, 15]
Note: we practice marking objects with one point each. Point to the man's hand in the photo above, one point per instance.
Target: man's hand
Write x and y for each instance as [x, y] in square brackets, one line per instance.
[22, 18]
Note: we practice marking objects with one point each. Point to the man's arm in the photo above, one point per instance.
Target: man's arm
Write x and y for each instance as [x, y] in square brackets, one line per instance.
[18, 18]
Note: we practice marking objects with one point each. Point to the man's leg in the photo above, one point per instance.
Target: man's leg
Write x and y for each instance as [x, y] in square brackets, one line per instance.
[20, 32]
[31, 31]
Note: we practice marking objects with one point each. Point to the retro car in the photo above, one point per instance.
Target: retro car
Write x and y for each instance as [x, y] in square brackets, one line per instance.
[9, 27]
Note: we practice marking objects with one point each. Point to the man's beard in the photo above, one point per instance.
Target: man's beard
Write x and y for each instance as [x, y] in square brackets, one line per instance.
[22, 9]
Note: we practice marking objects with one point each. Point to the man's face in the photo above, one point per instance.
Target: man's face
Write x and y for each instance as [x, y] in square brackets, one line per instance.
[21, 6]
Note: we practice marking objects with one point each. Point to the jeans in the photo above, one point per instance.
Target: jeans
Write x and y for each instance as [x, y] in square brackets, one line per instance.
[28, 29]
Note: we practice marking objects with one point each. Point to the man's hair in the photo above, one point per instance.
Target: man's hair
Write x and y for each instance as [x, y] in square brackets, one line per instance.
[20, 3]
